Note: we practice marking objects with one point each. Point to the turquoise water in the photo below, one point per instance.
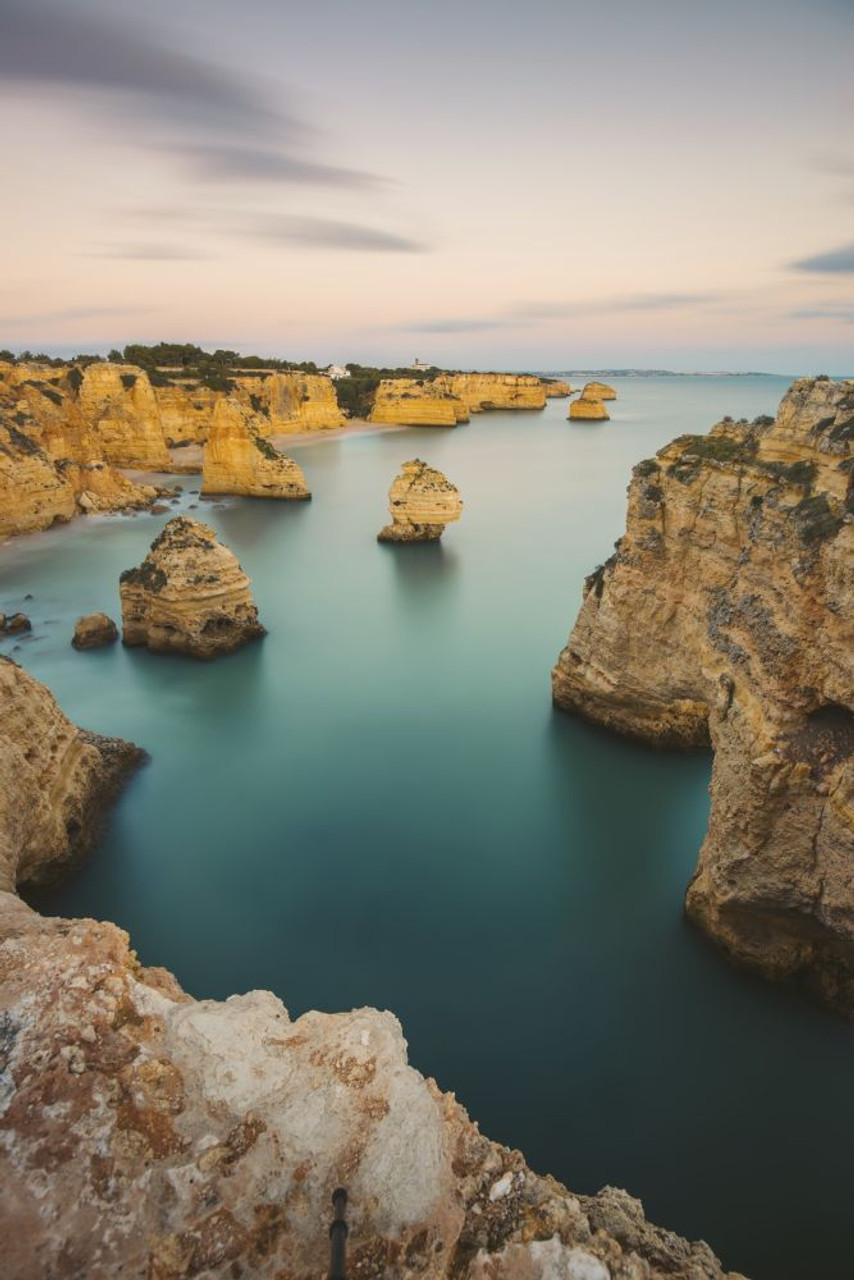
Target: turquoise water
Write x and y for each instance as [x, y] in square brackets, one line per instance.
[377, 805]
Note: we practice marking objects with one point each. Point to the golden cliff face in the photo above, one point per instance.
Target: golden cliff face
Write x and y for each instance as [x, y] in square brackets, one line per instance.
[585, 409]
[407, 402]
[556, 388]
[727, 614]
[284, 403]
[480, 391]
[51, 464]
[55, 780]
[238, 459]
[119, 404]
[189, 596]
[421, 502]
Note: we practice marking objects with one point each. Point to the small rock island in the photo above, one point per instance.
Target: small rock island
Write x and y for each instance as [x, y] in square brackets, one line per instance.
[421, 502]
[189, 596]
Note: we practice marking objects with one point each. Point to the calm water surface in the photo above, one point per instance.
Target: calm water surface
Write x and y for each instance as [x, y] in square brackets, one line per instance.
[377, 805]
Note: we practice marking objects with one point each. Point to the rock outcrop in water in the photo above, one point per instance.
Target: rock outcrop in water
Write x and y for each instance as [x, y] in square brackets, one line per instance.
[727, 614]
[189, 596]
[148, 1134]
[238, 459]
[94, 631]
[421, 502]
[55, 782]
[585, 409]
[407, 402]
[556, 388]
[598, 391]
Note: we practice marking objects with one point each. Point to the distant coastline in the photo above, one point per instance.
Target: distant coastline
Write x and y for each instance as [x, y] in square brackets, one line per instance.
[662, 373]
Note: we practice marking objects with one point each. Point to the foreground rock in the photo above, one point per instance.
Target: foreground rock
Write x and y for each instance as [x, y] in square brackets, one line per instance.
[238, 459]
[55, 782]
[421, 502]
[189, 596]
[727, 615]
[94, 631]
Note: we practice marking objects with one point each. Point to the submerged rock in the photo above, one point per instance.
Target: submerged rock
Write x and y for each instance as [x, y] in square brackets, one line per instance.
[421, 502]
[94, 631]
[727, 615]
[238, 459]
[188, 596]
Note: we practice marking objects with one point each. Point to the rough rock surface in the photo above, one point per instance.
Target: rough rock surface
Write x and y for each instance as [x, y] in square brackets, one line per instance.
[283, 403]
[727, 614]
[556, 388]
[408, 402]
[189, 595]
[480, 391]
[55, 781]
[94, 631]
[598, 391]
[421, 502]
[587, 409]
[238, 459]
[120, 404]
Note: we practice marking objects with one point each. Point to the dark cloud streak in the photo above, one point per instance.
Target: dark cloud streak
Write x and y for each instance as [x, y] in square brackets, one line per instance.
[834, 262]
[324, 233]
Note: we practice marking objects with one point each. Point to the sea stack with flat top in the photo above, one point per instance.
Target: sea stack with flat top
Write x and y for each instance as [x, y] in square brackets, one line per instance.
[189, 596]
[421, 502]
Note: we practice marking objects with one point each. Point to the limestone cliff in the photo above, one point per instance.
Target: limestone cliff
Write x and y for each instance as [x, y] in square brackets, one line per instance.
[421, 502]
[237, 458]
[55, 781]
[727, 614]
[118, 402]
[189, 596]
[408, 402]
[283, 403]
[51, 467]
[480, 391]
[556, 388]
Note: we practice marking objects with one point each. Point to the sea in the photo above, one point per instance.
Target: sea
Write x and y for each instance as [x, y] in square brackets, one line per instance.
[378, 805]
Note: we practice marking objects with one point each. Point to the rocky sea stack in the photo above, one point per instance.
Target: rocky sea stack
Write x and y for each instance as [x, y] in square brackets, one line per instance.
[94, 632]
[727, 615]
[238, 459]
[421, 502]
[189, 596]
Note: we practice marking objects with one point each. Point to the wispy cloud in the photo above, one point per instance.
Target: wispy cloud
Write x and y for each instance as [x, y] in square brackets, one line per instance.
[74, 313]
[460, 326]
[149, 253]
[324, 233]
[523, 314]
[834, 262]
[845, 314]
[222, 163]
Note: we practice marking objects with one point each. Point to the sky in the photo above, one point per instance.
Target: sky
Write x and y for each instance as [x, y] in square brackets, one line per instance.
[479, 184]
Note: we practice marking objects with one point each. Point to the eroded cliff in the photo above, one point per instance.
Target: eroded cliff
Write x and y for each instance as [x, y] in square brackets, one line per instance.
[727, 615]
[421, 501]
[481, 391]
[238, 459]
[407, 402]
[189, 596]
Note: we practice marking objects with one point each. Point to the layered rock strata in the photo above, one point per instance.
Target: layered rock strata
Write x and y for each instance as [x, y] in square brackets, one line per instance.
[727, 615]
[189, 596]
[556, 388]
[598, 391]
[55, 783]
[283, 403]
[481, 391]
[406, 402]
[421, 502]
[586, 409]
[94, 631]
[238, 459]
